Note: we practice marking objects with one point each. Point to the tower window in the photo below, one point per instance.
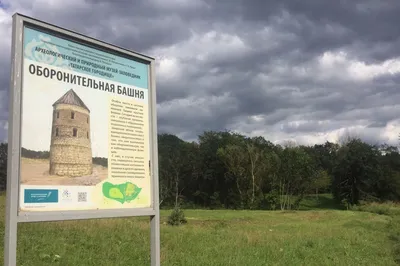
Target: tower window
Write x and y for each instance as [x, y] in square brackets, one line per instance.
[57, 132]
[58, 114]
[74, 132]
[72, 115]
[87, 134]
[87, 120]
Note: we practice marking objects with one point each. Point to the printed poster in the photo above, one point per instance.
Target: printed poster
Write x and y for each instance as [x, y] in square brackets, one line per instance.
[85, 127]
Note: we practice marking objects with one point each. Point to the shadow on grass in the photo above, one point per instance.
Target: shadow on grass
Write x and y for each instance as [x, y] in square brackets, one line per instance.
[322, 202]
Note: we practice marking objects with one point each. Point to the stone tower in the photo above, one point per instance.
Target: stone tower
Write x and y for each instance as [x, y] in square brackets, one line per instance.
[70, 148]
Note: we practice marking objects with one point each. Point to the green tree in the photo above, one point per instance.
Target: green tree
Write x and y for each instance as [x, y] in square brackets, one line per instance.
[173, 156]
[296, 173]
[321, 180]
[388, 183]
[356, 172]
[257, 165]
[235, 159]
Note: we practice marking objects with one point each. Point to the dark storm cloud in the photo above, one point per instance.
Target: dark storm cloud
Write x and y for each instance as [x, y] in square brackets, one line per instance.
[305, 30]
[193, 116]
[377, 124]
[253, 65]
[137, 26]
[371, 23]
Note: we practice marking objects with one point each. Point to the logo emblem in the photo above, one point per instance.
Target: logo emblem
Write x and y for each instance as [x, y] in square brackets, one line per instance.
[66, 194]
[40, 195]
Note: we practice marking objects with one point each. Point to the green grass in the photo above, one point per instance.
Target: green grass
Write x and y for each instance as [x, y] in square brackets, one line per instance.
[393, 227]
[214, 237]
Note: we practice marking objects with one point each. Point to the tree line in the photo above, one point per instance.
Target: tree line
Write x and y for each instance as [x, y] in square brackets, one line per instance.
[233, 171]
[230, 170]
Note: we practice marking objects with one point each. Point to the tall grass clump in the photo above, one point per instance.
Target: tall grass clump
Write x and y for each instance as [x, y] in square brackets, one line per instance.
[387, 208]
[391, 209]
[394, 227]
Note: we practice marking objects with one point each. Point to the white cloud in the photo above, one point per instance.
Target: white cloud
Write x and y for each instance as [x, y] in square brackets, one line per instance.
[168, 69]
[337, 64]
[209, 46]
[4, 131]
[391, 131]
[203, 107]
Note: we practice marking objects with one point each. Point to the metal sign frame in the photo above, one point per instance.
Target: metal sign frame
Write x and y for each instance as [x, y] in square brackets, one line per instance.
[13, 215]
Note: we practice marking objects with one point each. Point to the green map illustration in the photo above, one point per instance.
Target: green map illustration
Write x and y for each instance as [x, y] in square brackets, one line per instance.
[125, 192]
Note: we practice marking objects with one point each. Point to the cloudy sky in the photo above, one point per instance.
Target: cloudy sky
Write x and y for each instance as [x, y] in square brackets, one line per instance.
[308, 71]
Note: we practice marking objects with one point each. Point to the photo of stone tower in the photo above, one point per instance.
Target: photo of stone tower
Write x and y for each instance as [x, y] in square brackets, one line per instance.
[70, 148]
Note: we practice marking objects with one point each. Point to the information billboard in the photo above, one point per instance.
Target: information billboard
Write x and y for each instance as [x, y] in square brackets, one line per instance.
[84, 127]
[82, 131]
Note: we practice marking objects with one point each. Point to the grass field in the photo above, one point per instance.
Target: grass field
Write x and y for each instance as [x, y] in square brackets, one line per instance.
[310, 237]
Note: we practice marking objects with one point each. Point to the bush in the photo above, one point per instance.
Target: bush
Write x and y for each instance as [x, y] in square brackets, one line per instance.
[387, 208]
[177, 217]
[272, 200]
